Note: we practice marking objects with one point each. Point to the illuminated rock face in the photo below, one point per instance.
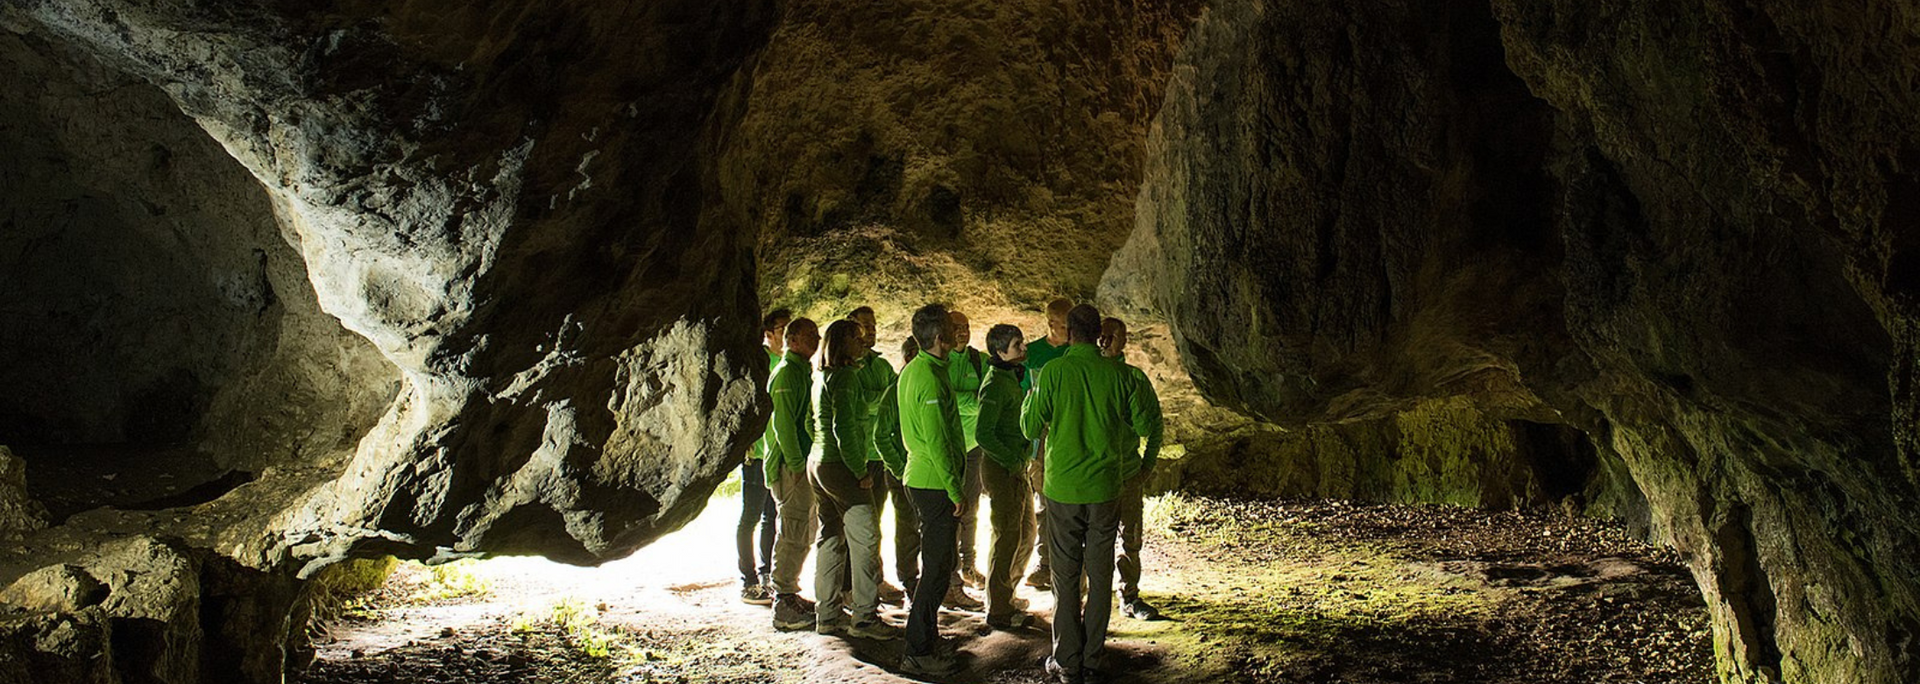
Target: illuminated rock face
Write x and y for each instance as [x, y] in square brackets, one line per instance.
[1679, 228]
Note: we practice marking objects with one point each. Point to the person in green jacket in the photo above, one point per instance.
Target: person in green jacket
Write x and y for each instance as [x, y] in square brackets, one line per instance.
[1040, 351]
[1004, 473]
[849, 534]
[876, 376]
[1113, 345]
[787, 451]
[966, 367]
[756, 503]
[893, 453]
[1094, 416]
[936, 462]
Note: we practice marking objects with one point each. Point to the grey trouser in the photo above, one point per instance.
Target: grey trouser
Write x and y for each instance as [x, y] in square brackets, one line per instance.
[1127, 560]
[1012, 520]
[793, 495]
[970, 489]
[1082, 545]
[906, 533]
[849, 542]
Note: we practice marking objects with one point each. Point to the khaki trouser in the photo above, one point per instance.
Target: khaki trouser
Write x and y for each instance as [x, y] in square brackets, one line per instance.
[1127, 560]
[1011, 517]
[970, 490]
[849, 542]
[793, 495]
[1037, 475]
[1082, 546]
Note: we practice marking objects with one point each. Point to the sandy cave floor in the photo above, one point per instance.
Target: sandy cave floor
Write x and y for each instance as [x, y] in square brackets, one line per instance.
[1299, 591]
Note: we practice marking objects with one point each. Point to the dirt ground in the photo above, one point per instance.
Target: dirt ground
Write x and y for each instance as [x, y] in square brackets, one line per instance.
[1301, 591]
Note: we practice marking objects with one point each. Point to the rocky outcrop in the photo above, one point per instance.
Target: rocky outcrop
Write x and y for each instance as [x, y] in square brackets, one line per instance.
[1673, 228]
[518, 229]
[19, 512]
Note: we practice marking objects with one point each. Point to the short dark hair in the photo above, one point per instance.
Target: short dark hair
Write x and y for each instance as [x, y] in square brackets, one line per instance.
[1000, 337]
[856, 313]
[1059, 306]
[1083, 324]
[771, 321]
[929, 323]
[799, 324]
[908, 349]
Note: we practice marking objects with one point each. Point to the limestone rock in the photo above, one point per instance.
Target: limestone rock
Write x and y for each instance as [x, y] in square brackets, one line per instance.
[55, 589]
[57, 648]
[19, 512]
[1674, 228]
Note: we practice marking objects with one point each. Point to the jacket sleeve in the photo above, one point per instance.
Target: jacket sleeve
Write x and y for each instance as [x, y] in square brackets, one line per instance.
[1036, 411]
[848, 406]
[886, 434]
[993, 410]
[954, 447]
[1147, 421]
[790, 439]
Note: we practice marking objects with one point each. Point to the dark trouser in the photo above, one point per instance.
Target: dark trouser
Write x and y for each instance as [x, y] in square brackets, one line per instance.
[1132, 514]
[937, 527]
[1082, 545]
[756, 510]
[906, 533]
[1012, 520]
[969, 531]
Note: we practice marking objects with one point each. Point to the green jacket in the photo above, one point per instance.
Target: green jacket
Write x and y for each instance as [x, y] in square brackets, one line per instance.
[886, 433]
[876, 377]
[760, 445]
[789, 441]
[1151, 399]
[1000, 421]
[930, 426]
[965, 371]
[1093, 414]
[842, 426]
[1039, 352]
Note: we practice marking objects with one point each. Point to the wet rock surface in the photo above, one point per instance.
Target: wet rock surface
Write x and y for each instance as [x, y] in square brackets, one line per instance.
[1669, 227]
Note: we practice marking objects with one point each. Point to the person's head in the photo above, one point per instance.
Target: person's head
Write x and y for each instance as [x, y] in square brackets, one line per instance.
[803, 337]
[909, 348]
[1113, 337]
[934, 329]
[1005, 343]
[1057, 318]
[773, 327]
[1083, 324]
[843, 345]
[962, 332]
[868, 327]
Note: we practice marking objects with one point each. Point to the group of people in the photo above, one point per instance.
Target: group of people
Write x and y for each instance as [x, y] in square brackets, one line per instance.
[1058, 434]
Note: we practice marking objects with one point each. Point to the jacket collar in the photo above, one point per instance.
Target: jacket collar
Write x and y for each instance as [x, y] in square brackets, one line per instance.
[796, 358]
[1084, 349]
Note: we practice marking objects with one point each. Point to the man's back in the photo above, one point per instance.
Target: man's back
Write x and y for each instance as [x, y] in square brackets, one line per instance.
[1094, 420]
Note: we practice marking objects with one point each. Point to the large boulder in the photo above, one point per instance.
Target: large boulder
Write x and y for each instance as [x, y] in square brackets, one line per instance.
[20, 513]
[1675, 228]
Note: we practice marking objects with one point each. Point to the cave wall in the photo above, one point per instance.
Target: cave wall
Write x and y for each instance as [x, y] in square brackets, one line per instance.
[507, 202]
[150, 296]
[1675, 228]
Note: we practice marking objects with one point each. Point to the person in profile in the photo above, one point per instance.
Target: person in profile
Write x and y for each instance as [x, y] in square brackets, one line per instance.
[1003, 473]
[936, 461]
[1113, 345]
[786, 474]
[849, 537]
[877, 376]
[756, 502]
[1040, 351]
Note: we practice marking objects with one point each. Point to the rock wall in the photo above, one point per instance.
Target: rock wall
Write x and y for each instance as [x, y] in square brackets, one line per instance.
[1676, 228]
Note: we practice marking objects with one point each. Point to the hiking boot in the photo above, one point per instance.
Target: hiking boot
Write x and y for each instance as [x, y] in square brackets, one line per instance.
[1010, 622]
[1139, 609]
[839, 626]
[958, 599]
[756, 594]
[891, 595]
[934, 664]
[790, 612]
[875, 628]
[971, 576]
[1060, 675]
[1041, 579]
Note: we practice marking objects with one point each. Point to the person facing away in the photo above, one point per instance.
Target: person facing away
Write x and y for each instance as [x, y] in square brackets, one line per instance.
[1004, 475]
[893, 453]
[787, 454]
[1113, 345]
[966, 367]
[1040, 351]
[842, 484]
[877, 376]
[756, 503]
[930, 428]
[1093, 416]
